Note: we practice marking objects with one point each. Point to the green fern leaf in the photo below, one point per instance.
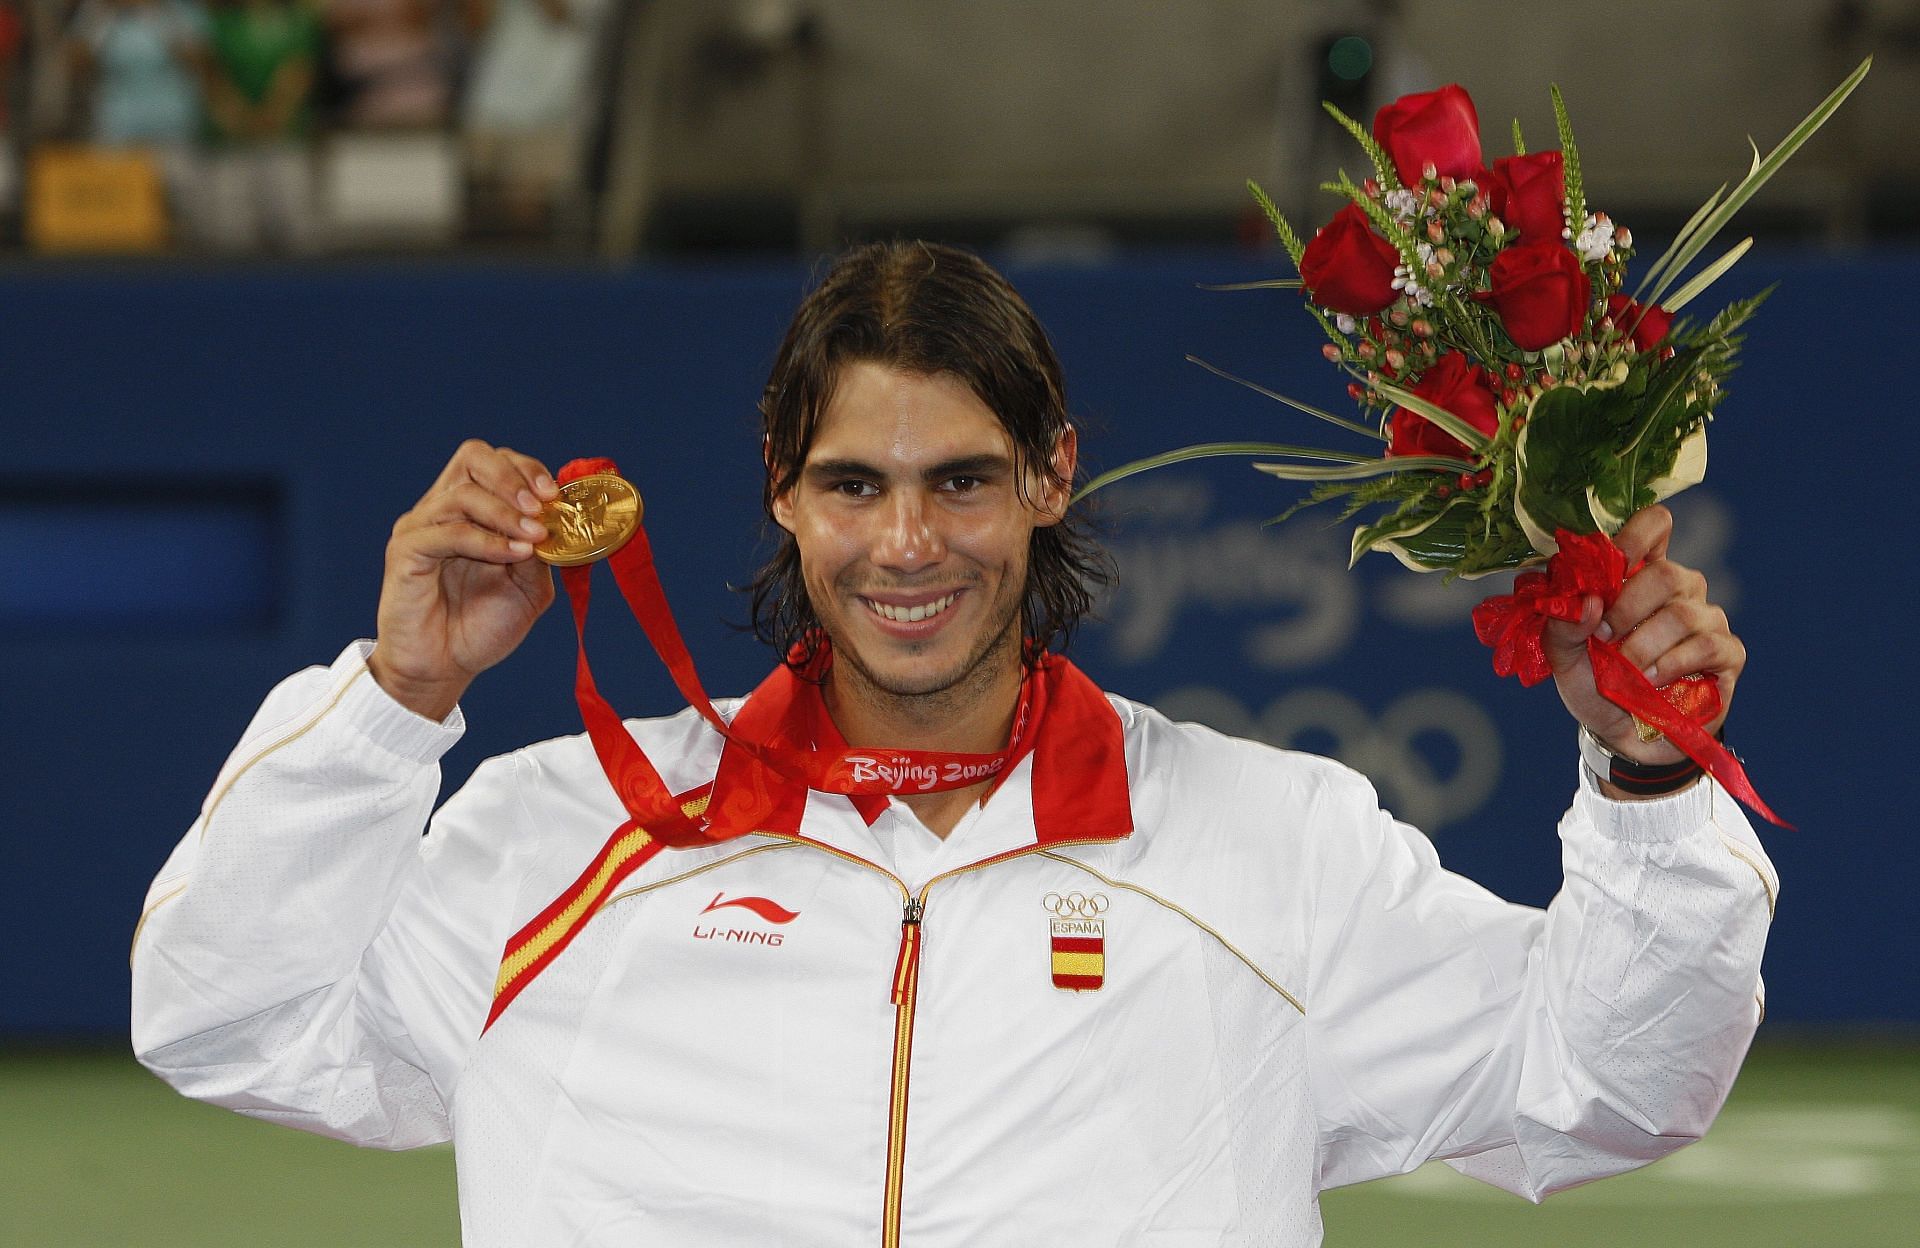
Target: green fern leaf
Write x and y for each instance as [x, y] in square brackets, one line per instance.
[1570, 162]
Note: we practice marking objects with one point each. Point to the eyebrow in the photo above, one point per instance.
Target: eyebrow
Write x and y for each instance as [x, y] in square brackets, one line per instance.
[986, 464]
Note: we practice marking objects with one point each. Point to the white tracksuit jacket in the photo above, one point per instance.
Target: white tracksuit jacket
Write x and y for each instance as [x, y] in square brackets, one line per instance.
[1293, 994]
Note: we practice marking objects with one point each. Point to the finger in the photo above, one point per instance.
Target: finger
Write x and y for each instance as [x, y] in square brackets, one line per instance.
[458, 468]
[536, 579]
[1565, 641]
[436, 543]
[1645, 534]
[533, 472]
[1647, 591]
[1716, 654]
[520, 478]
[473, 502]
[1667, 628]
[512, 476]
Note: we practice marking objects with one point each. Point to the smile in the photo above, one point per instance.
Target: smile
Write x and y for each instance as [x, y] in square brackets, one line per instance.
[910, 615]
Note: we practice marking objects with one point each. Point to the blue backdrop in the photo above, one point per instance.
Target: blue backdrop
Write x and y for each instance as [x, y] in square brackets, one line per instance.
[200, 469]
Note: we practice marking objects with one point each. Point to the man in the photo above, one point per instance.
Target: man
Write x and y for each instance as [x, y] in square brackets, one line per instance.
[1141, 984]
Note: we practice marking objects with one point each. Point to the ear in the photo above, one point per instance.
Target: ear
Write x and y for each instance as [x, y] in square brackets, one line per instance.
[1056, 488]
[782, 506]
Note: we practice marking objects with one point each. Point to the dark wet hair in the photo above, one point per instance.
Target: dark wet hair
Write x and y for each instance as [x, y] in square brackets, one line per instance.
[930, 309]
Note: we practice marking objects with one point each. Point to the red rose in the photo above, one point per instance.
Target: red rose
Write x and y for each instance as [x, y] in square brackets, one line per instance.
[1455, 385]
[1646, 326]
[1431, 127]
[1349, 268]
[1540, 292]
[1529, 194]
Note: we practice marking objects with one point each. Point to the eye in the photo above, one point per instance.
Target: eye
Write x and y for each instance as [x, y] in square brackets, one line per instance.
[963, 484]
[853, 487]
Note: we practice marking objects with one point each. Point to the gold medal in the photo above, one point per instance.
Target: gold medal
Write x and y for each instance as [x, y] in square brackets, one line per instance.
[592, 517]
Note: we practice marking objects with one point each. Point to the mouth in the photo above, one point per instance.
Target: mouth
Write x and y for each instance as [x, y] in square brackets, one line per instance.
[902, 613]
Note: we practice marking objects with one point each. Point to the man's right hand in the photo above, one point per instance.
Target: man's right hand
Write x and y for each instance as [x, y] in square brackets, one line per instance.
[462, 585]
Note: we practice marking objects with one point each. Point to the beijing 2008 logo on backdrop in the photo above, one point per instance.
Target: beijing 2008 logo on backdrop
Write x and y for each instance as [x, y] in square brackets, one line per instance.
[1079, 939]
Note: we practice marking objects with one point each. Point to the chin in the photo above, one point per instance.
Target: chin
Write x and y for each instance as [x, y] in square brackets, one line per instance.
[927, 668]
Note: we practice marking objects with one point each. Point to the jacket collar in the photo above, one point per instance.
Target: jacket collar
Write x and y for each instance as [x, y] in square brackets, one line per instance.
[1077, 780]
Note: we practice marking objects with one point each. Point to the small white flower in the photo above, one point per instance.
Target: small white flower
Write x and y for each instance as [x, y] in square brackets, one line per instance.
[1402, 203]
[1406, 285]
[1596, 239]
[1344, 323]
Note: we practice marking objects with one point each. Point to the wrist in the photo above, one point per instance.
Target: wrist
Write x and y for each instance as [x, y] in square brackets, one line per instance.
[1627, 779]
[429, 699]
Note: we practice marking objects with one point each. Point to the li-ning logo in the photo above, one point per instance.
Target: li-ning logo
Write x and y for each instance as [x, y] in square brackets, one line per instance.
[899, 773]
[771, 911]
[1077, 939]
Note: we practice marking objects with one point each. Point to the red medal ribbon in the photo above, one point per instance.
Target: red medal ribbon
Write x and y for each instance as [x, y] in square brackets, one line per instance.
[1589, 563]
[737, 808]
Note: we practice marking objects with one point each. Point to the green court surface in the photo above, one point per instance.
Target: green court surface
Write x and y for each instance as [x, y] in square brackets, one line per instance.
[1820, 1145]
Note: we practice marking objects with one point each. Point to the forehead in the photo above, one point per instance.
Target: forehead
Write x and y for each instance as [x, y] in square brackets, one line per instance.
[881, 414]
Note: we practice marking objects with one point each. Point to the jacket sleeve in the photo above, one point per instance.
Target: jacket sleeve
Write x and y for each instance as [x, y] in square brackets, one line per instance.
[300, 957]
[1536, 1050]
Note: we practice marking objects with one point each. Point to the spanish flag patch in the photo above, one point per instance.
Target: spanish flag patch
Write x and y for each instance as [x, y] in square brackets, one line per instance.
[1079, 940]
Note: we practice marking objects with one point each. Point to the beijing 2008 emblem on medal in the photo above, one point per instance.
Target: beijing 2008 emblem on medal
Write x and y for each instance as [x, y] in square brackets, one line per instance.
[1079, 939]
[592, 517]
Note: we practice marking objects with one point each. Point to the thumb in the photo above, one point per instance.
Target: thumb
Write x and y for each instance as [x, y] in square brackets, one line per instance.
[1565, 641]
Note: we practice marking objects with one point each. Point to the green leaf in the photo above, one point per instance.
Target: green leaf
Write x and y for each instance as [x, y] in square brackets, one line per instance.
[1211, 450]
[1382, 164]
[1566, 447]
[1288, 239]
[1447, 538]
[1295, 404]
[1723, 326]
[1408, 522]
[1569, 161]
[1707, 277]
[1679, 240]
[1460, 429]
[1759, 176]
[1519, 144]
[1437, 547]
[1271, 283]
[1367, 468]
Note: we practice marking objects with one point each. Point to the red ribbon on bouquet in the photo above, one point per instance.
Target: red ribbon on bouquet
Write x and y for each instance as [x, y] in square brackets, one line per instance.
[1589, 563]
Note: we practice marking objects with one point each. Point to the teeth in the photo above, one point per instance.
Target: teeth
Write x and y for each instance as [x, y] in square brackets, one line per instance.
[911, 615]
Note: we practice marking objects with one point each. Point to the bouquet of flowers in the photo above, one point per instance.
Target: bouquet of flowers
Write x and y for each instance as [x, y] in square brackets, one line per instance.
[1483, 314]
[1528, 404]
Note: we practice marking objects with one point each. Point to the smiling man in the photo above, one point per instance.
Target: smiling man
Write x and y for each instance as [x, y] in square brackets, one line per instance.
[1050, 968]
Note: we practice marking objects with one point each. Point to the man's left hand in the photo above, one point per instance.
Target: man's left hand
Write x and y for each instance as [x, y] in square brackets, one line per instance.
[1666, 627]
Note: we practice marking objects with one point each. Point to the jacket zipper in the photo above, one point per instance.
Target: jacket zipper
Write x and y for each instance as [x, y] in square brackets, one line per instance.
[906, 989]
[905, 992]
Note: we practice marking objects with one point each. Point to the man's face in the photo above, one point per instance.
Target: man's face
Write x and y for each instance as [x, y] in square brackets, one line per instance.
[913, 529]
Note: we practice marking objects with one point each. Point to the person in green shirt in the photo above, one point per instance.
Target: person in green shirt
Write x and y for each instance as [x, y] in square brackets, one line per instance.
[260, 101]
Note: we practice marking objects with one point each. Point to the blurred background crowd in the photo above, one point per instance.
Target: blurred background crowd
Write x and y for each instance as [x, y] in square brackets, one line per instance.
[286, 126]
[631, 127]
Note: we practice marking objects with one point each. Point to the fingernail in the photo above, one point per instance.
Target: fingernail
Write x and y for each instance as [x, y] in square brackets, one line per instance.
[544, 484]
[532, 527]
[1604, 632]
[528, 503]
[520, 548]
[1651, 672]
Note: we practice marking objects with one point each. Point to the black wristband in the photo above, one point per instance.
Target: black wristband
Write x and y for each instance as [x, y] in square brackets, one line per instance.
[1630, 776]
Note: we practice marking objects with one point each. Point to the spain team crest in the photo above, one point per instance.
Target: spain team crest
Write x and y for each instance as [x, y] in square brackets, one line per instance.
[1079, 938]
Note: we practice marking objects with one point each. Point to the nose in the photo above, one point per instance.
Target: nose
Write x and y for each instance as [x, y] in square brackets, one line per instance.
[909, 539]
